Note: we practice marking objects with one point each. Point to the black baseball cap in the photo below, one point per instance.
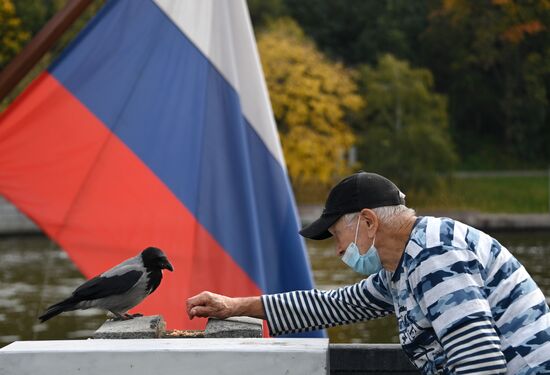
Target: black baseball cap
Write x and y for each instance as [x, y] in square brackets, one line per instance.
[352, 194]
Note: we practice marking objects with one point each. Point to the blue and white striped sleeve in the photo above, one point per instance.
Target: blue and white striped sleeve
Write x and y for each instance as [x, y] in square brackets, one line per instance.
[448, 287]
[307, 310]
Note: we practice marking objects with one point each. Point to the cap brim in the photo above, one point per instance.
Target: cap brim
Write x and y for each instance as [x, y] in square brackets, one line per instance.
[318, 230]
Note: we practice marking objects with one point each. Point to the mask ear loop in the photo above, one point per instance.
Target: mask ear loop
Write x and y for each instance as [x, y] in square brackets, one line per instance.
[357, 229]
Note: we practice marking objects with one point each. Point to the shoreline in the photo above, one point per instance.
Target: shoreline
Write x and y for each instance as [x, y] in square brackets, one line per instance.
[13, 222]
[487, 222]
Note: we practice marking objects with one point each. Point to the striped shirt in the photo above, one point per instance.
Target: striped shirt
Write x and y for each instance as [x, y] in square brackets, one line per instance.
[464, 304]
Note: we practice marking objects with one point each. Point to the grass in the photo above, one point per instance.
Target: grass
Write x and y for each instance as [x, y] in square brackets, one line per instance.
[493, 194]
[488, 194]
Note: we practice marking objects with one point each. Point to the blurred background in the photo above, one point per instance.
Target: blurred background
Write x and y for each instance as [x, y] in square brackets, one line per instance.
[448, 98]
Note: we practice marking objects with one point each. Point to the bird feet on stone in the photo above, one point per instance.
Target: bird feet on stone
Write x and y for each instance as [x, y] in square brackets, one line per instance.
[125, 316]
[120, 318]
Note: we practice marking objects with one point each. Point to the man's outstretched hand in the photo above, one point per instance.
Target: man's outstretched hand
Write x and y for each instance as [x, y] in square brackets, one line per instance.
[212, 305]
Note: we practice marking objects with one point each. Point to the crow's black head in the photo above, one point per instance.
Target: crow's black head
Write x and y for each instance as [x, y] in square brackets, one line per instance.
[154, 259]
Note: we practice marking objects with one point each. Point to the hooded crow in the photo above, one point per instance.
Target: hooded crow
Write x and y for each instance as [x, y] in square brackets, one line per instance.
[118, 289]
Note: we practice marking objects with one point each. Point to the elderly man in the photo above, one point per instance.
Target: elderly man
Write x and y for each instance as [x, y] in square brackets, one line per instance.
[464, 304]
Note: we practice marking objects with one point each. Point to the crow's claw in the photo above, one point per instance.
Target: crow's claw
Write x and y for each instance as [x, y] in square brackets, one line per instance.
[121, 317]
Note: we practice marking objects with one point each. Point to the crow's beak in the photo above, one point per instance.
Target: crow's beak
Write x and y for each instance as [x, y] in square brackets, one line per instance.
[166, 265]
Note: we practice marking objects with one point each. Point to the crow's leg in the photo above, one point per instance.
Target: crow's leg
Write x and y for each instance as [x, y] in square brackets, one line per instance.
[119, 317]
[132, 316]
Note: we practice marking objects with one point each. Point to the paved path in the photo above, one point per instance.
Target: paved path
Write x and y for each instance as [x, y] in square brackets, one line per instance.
[13, 222]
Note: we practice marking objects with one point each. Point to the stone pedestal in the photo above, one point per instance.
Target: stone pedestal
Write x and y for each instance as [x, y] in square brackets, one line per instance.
[145, 327]
[235, 327]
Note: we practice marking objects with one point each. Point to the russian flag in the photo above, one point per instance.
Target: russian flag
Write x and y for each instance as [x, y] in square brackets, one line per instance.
[154, 128]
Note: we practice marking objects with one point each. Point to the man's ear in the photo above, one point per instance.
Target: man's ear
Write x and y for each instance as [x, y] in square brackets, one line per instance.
[370, 219]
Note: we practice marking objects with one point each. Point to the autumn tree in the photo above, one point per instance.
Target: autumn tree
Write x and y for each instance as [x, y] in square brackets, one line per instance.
[405, 133]
[312, 98]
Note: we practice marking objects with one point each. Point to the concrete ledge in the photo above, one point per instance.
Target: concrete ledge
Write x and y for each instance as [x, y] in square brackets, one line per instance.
[166, 356]
[235, 327]
[380, 359]
[137, 328]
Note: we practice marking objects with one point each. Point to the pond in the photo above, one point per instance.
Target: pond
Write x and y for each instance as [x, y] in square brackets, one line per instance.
[34, 271]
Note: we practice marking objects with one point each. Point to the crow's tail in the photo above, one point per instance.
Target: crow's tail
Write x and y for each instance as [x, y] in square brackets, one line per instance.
[66, 305]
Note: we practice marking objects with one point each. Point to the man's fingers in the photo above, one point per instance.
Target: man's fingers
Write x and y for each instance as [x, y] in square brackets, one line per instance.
[200, 305]
[200, 312]
[198, 300]
[207, 304]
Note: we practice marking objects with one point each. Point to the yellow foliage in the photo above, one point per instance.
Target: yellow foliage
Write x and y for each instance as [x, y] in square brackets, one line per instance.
[12, 36]
[311, 97]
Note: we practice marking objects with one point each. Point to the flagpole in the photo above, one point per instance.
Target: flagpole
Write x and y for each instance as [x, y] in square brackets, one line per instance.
[14, 72]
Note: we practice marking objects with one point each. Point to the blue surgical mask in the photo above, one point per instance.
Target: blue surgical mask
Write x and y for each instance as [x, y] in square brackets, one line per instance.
[365, 264]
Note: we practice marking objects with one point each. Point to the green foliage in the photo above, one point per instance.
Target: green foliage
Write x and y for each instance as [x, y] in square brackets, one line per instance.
[405, 132]
[492, 59]
[487, 194]
[34, 14]
[264, 11]
[359, 31]
[79, 24]
[311, 97]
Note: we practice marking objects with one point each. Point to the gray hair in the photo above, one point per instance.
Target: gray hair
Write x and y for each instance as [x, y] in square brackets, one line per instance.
[390, 216]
